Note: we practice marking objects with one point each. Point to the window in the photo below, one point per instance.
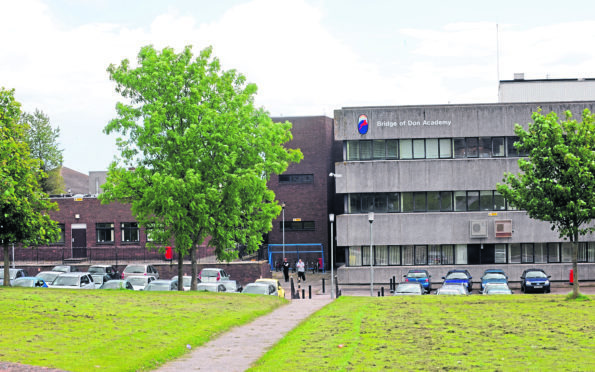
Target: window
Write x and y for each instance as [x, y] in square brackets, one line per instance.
[419, 200]
[591, 252]
[553, 252]
[297, 226]
[446, 201]
[514, 253]
[419, 149]
[393, 202]
[379, 149]
[448, 255]
[485, 147]
[352, 150]
[500, 253]
[105, 232]
[366, 256]
[130, 232]
[380, 203]
[406, 149]
[355, 256]
[540, 252]
[460, 201]
[381, 255]
[499, 202]
[566, 252]
[296, 178]
[394, 255]
[392, 149]
[367, 202]
[434, 257]
[355, 202]
[407, 251]
[461, 254]
[433, 201]
[421, 254]
[445, 148]
[460, 148]
[527, 253]
[407, 201]
[472, 147]
[498, 147]
[486, 201]
[472, 200]
[365, 150]
[432, 148]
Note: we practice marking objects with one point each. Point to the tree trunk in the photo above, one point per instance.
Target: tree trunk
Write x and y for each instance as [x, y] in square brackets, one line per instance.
[180, 270]
[575, 285]
[193, 268]
[6, 265]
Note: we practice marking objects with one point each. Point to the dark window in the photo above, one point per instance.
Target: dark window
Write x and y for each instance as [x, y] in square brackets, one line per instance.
[498, 147]
[298, 226]
[365, 150]
[485, 147]
[407, 201]
[393, 202]
[296, 178]
[472, 148]
[419, 200]
[355, 203]
[379, 149]
[433, 201]
[130, 232]
[105, 232]
[392, 149]
[446, 201]
[460, 148]
[486, 200]
[472, 200]
[512, 151]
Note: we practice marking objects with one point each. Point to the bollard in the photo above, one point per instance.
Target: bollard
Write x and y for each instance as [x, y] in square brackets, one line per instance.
[382, 291]
[303, 293]
[309, 292]
[390, 284]
[323, 291]
[394, 283]
[378, 293]
[293, 295]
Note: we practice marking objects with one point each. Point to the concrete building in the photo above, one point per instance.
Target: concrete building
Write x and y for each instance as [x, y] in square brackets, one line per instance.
[429, 174]
[545, 90]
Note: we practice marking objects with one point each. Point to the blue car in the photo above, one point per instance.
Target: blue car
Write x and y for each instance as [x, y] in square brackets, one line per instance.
[535, 280]
[459, 277]
[420, 276]
[31, 282]
[493, 276]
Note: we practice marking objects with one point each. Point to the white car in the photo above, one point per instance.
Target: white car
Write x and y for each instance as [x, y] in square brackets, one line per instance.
[74, 280]
[140, 282]
[211, 287]
[49, 276]
[260, 288]
[213, 275]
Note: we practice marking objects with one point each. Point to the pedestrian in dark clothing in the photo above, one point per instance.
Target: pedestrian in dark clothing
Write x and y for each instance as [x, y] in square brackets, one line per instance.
[285, 269]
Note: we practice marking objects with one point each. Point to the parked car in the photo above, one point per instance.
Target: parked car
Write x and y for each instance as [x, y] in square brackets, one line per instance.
[276, 283]
[162, 285]
[99, 279]
[66, 269]
[496, 289]
[104, 269]
[187, 281]
[493, 276]
[459, 277]
[140, 282]
[231, 286]
[13, 274]
[29, 281]
[136, 270]
[49, 276]
[420, 276]
[74, 280]
[117, 284]
[409, 289]
[453, 289]
[260, 288]
[535, 280]
[211, 287]
[212, 274]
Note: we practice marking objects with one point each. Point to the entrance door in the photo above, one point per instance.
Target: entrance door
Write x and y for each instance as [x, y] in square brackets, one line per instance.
[79, 243]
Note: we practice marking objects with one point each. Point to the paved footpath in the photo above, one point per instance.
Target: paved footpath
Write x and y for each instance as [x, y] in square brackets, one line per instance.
[238, 348]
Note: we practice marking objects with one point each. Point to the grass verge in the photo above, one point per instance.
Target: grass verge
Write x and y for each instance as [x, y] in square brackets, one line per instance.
[115, 330]
[436, 333]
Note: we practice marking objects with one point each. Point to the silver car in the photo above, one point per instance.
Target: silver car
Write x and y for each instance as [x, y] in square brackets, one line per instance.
[409, 289]
[136, 269]
[162, 285]
[212, 274]
[260, 288]
[140, 282]
[49, 276]
[211, 287]
[74, 280]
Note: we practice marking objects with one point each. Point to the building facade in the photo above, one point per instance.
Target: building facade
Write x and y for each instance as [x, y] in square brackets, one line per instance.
[429, 175]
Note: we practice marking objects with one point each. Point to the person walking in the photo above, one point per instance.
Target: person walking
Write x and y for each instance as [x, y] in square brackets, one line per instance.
[285, 269]
[301, 269]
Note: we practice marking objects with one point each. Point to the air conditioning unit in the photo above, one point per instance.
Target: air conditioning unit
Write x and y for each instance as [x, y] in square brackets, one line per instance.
[478, 229]
[503, 228]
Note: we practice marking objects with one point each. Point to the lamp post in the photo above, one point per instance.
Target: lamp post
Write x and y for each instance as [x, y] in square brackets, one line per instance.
[371, 220]
[283, 226]
[331, 218]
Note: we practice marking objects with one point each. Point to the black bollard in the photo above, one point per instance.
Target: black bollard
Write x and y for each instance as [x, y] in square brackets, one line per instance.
[293, 293]
[378, 293]
[382, 291]
[323, 291]
[303, 293]
[390, 284]
[394, 283]
[309, 292]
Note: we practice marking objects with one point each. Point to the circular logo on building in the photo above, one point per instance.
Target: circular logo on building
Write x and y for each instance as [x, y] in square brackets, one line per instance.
[362, 124]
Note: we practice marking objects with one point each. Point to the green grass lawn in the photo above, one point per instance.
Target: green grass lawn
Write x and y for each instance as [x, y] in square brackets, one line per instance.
[115, 330]
[438, 333]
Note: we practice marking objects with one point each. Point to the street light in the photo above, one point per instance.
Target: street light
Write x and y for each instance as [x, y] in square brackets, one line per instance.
[371, 220]
[331, 217]
[283, 226]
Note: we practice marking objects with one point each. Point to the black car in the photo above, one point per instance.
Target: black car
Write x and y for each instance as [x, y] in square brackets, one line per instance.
[535, 280]
[104, 269]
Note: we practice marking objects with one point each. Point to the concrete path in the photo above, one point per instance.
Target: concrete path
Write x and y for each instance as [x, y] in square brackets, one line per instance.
[238, 348]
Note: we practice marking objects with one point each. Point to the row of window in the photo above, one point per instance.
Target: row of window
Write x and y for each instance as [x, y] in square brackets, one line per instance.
[464, 254]
[296, 178]
[105, 232]
[427, 201]
[432, 148]
[298, 226]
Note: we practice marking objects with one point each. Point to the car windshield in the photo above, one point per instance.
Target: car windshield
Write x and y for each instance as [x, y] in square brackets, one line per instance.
[256, 289]
[407, 288]
[137, 281]
[66, 281]
[536, 274]
[48, 277]
[416, 275]
[134, 269]
[13, 273]
[209, 273]
[64, 269]
[162, 286]
[456, 276]
[494, 276]
[98, 270]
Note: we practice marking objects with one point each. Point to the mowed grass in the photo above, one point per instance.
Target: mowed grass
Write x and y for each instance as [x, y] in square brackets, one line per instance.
[439, 333]
[115, 330]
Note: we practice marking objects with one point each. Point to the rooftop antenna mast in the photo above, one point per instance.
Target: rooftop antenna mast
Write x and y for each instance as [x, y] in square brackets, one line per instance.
[497, 53]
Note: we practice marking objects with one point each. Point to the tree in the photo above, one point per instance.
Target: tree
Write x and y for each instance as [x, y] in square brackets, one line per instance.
[558, 180]
[23, 204]
[195, 153]
[42, 140]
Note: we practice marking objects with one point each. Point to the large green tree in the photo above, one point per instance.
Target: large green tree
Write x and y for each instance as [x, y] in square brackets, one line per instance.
[557, 183]
[195, 153]
[23, 205]
[43, 144]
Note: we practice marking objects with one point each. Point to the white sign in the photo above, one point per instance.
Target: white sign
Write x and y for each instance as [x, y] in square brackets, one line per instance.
[412, 123]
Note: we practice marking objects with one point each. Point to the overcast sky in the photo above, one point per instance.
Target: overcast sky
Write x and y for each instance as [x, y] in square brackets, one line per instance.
[308, 57]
